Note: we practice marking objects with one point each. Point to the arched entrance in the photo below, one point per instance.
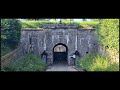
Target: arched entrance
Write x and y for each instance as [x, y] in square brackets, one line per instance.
[60, 53]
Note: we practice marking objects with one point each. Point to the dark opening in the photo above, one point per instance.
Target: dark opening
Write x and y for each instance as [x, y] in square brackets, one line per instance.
[77, 53]
[107, 47]
[60, 53]
[86, 52]
[94, 44]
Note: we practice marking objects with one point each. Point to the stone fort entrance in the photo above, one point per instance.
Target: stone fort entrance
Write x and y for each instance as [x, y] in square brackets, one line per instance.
[60, 53]
[57, 42]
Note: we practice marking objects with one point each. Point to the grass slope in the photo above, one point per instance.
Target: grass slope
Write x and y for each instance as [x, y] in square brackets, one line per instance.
[28, 63]
[97, 62]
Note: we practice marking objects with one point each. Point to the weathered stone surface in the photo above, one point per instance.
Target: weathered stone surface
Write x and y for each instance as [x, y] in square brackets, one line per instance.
[37, 40]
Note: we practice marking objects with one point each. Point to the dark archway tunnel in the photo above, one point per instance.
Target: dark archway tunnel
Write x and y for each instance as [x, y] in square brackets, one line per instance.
[60, 53]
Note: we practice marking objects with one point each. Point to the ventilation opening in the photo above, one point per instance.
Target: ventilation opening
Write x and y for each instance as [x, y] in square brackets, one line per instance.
[86, 52]
[94, 44]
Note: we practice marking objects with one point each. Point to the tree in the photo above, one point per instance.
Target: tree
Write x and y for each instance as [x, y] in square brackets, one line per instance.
[10, 32]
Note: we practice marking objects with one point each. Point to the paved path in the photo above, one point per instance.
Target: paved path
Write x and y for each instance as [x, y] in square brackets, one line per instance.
[61, 67]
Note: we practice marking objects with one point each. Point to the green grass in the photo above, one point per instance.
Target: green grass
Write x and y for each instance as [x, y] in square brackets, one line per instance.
[28, 63]
[108, 33]
[40, 24]
[96, 62]
[89, 24]
[35, 24]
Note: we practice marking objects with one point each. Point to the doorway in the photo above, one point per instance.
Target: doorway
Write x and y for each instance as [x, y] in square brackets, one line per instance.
[60, 54]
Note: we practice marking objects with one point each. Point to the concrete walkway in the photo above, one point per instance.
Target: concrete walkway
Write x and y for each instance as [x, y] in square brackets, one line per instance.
[61, 67]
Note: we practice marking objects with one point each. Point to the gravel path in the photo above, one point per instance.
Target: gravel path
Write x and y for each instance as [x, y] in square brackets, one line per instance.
[61, 67]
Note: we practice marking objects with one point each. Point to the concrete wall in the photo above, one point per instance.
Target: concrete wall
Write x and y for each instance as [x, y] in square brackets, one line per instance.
[38, 40]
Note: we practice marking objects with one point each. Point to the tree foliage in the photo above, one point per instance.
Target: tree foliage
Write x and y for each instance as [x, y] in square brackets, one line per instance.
[10, 32]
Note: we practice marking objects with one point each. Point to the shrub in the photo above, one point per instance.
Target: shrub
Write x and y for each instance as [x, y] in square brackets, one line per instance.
[28, 63]
[97, 62]
[108, 33]
[113, 67]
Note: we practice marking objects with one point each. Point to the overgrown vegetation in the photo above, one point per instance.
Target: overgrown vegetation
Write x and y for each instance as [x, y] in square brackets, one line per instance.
[5, 50]
[108, 36]
[91, 24]
[97, 62]
[35, 24]
[28, 63]
[10, 34]
[41, 23]
[108, 33]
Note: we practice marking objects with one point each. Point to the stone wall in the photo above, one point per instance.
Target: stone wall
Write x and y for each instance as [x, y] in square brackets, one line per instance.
[76, 39]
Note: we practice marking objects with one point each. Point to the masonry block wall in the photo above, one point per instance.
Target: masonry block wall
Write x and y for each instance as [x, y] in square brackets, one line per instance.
[44, 39]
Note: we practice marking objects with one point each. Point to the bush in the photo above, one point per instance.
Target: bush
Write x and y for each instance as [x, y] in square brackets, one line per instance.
[113, 67]
[97, 62]
[28, 63]
[108, 33]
